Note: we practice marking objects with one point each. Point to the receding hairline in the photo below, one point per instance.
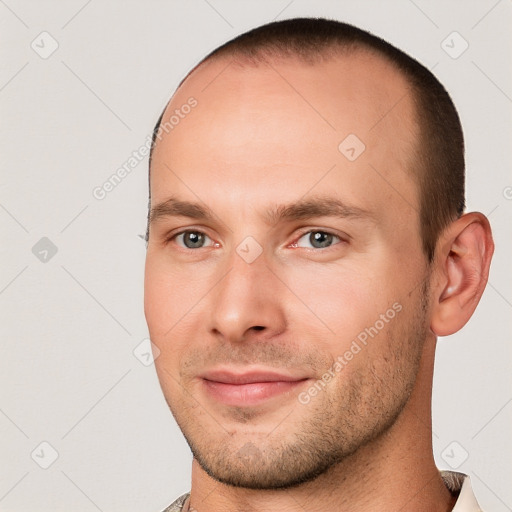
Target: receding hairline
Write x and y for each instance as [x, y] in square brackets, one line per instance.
[436, 157]
[332, 51]
[235, 57]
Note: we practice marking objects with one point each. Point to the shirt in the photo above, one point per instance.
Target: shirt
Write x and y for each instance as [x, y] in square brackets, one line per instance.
[458, 484]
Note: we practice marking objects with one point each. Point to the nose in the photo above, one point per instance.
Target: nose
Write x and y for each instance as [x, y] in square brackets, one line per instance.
[247, 303]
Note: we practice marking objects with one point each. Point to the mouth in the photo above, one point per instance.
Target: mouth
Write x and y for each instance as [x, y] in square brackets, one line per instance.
[248, 388]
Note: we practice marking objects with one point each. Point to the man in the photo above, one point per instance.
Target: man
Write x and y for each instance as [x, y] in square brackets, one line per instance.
[306, 246]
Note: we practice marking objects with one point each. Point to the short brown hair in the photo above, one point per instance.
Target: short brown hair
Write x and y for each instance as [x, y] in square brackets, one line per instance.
[439, 155]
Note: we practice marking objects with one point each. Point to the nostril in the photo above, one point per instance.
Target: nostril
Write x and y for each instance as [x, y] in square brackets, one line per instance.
[258, 327]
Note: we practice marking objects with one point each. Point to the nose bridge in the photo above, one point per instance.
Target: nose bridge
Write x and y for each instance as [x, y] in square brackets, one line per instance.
[246, 296]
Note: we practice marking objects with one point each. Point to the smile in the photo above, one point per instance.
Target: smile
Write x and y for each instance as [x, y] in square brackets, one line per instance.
[250, 388]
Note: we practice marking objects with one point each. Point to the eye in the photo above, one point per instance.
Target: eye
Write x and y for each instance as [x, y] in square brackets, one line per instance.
[317, 240]
[192, 239]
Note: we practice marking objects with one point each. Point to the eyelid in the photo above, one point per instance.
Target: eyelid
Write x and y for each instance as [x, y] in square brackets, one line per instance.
[171, 237]
[343, 237]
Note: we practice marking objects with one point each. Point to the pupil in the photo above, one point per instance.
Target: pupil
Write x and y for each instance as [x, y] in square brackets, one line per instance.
[319, 239]
[194, 239]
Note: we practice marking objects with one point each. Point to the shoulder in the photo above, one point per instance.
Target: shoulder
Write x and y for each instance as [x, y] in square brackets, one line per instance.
[179, 504]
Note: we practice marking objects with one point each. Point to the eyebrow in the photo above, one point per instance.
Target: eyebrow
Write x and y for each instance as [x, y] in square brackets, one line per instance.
[318, 206]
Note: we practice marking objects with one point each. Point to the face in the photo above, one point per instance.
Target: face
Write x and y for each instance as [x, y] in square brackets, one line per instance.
[285, 280]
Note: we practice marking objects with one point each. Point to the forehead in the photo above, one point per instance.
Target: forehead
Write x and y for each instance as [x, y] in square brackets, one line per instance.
[344, 125]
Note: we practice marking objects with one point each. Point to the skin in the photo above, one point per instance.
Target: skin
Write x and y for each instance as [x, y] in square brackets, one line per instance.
[268, 135]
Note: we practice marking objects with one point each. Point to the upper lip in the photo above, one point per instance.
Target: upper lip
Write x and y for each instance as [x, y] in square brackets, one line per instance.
[248, 377]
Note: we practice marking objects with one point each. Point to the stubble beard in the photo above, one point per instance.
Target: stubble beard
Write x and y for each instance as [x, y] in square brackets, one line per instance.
[340, 420]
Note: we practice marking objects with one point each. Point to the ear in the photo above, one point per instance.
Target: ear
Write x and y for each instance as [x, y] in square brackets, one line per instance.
[463, 257]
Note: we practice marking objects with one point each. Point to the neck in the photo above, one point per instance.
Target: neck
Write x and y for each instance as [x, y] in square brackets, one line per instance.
[394, 472]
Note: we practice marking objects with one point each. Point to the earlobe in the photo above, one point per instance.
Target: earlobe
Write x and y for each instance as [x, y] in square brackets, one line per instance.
[463, 258]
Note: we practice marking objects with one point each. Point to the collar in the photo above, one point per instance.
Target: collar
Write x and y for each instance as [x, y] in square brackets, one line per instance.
[459, 485]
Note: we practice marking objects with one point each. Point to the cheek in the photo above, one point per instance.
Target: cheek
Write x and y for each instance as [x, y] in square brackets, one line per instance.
[344, 298]
[156, 300]
[170, 295]
[172, 304]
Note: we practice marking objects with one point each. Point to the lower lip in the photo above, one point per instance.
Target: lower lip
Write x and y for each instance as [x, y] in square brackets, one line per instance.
[249, 394]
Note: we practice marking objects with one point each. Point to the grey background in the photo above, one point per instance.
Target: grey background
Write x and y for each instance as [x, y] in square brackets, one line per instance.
[71, 322]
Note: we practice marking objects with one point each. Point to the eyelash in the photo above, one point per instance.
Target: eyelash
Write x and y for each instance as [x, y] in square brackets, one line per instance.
[172, 238]
[325, 232]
